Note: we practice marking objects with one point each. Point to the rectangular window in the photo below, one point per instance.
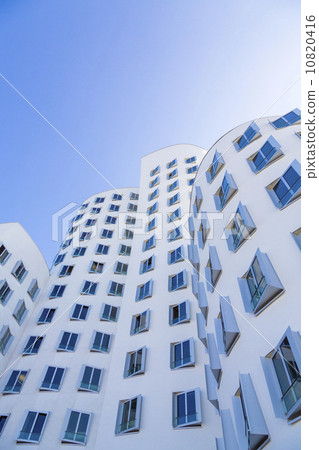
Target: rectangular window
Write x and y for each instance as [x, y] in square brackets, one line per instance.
[174, 234]
[33, 427]
[128, 416]
[110, 219]
[15, 382]
[33, 345]
[151, 225]
[66, 271]
[76, 218]
[173, 200]
[19, 271]
[173, 186]
[134, 196]
[106, 234]
[5, 292]
[144, 290]
[59, 259]
[192, 169]
[174, 215]
[179, 313]
[66, 243]
[77, 427]
[101, 342]
[57, 291]
[239, 229]
[90, 222]
[154, 171]
[190, 182]
[85, 235]
[80, 312]
[149, 243]
[68, 342]
[117, 197]
[4, 254]
[190, 160]
[172, 174]
[113, 207]
[120, 268]
[102, 249]
[95, 210]
[99, 200]
[5, 339]
[33, 289]
[147, 264]
[90, 379]
[3, 421]
[293, 117]
[52, 379]
[72, 229]
[182, 354]
[153, 195]
[132, 207]
[215, 167]
[140, 322]
[130, 220]
[96, 267]
[20, 312]
[89, 288]
[268, 154]
[172, 163]
[46, 315]
[226, 191]
[84, 206]
[109, 313]
[128, 234]
[135, 363]
[79, 251]
[125, 250]
[249, 136]
[177, 281]
[152, 209]
[287, 188]
[154, 182]
[176, 255]
[116, 289]
[186, 408]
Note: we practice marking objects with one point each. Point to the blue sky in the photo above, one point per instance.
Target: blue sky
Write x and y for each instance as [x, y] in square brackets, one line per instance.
[120, 79]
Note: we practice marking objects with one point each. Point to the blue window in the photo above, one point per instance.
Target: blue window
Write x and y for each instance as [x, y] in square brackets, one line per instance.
[227, 331]
[226, 191]
[5, 292]
[179, 313]
[152, 209]
[144, 290]
[190, 182]
[84, 206]
[134, 196]
[109, 313]
[153, 195]
[15, 382]
[72, 230]
[33, 427]
[113, 207]
[33, 289]
[287, 188]
[190, 160]
[20, 312]
[154, 182]
[5, 339]
[85, 235]
[154, 171]
[46, 315]
[117, 197]
[268, 154]
[128, 234]
[99, 199]
[173, 200]
[239, 229]
[130, 220]
[140, 322]
[68, 341]
[52, 379]
[33, 345]
[59, 259]
[151, 224]
[174, 234]
[57, 291]
[149, 243]
[172, 163]
[192, 169]
[90, 379]
[19, 271]
[89, 288]
[78, 217]
[107, 234]
[215, 167]
[182, 354]
[147, 264]
[4, 254]
[131, 207]
[79, 251]
[101, 342]
[176, 255]
[174, 215]
[66, 243]
[110, 219]
[177, 281]
[116, 289]
[186, 408]
[129, 415]
[290, 118]
[213, 269]
[125, 250]
[249, 135]
[77, 427]
[120, 268]
[3, 421]
[172, 174]
[102, 249]
[95, 210]
[172, 186]
[135, 362]
[90, 222]
[66, 271]
[80, 312]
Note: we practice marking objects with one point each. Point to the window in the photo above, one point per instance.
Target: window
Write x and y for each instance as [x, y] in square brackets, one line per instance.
[190, 160]
[79, 251]
[59, 259]
[90, 222]
[117, 197]
[127, 234]
[149, 243]
[173, 200]
[130, 220]
[100, 199]
[19, 271]
[52, 379]
[134, 196]
[68, 341]
[135, 363]
[46, 315]
[76, 427]
[239, 229]
[268, 154]
[173, 186]
[249, 136]
[116, 289]
[96, 267]
[182, 354]
[102, 249]
[113, 207]
[144, 290]
[227, 331]
[226, 191]
[20, 312]
[3, 422]
[260, 285]
[95, 210]
[152, 209]
[154, 182]
[129, 415]
[120, 268]
[177, 281]
[106, 234]
[76, 218]
[174, 215]
[213, 269]
[140, 322]
[84, 206]
[80, 312]
[15, 382]
[4, 254]
[66, 243]
[172, 163]
[192, 169]
[198, 200]
[147, 264]
[73, 229]
[57, 291]
[33, 289]
[151, 225]
[193, 256]
[33, 427]
[190, 181]
[66, 271]
[286, 189]
[154, 171]
[33, 345]
[89, 288]
[186, 409]
[131, 207]
[203, 231]
[125, 250]
[153, 195]
[293, 117]
[172, 174]
[90, 379]
[5, 292]
[109, 313]
[101, 342]
[176, 255]
[110, 219]
[5, 339]
[174, 234]
[282, 367]
[179, 313]
[85, 235]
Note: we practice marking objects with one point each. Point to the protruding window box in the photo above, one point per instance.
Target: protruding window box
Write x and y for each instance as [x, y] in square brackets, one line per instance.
[286, 189]
[239, 229]
[213, 269]
[215, 167]
[225, 192]
[201, 331]
[129, 415]
[251, 134]
[265, 156]
[227, 331]
[193, 256]
[211, 387]
[202, 299]
[187, 409]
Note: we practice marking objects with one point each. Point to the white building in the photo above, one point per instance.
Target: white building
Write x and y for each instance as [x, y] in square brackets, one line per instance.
[112, 352]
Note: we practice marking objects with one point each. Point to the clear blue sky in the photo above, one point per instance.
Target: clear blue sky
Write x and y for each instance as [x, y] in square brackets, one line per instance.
[122, 78]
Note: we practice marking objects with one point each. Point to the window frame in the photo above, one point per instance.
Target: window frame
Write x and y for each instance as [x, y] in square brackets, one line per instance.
[43, 376]
[295, 165]
[20, 303]
[194, 423]
[81, 375]
[139, 371]
[68, 349]
[17, 378]
[100, 350]
[180, 319]
[183, 284]
[142, 327]
[109, 317]
[137, 420]
[66, 421]
[182, 365]
[24, 419]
